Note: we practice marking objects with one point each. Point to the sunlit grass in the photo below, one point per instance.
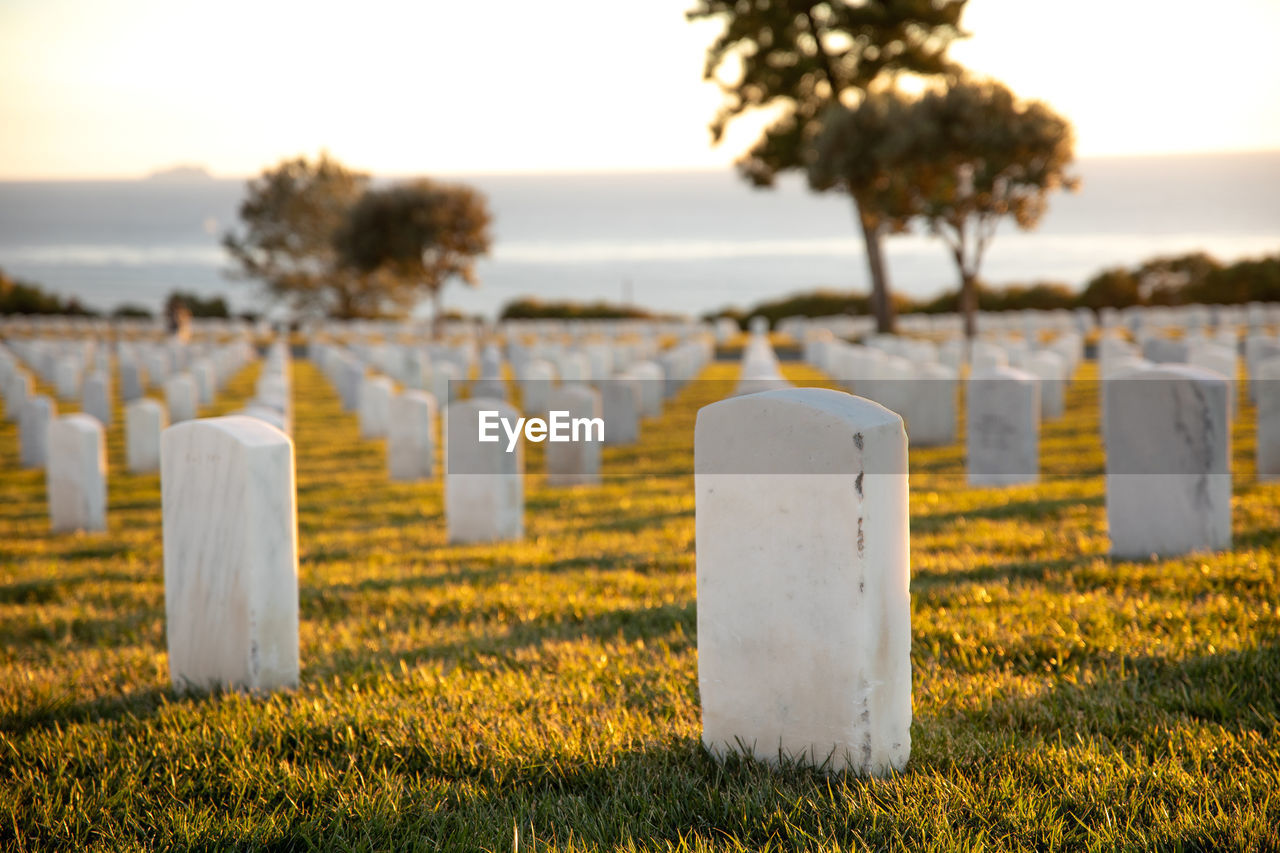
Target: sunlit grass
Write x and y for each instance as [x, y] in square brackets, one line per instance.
[545, 692]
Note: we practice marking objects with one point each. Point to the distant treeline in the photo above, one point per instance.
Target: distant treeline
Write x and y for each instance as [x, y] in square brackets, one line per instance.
[23, 297]
[535, 309]
[1179, 280]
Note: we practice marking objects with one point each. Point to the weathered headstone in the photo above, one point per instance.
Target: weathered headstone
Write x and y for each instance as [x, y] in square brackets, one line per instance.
[410, 439]
[484, 481]
[76, 474]
[144, 421]
[804, 620]
[230, 554]
[1003, 427]
[1168, 461]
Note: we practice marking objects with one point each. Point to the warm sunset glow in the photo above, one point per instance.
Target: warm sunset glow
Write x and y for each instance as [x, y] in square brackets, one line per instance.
[119, 89]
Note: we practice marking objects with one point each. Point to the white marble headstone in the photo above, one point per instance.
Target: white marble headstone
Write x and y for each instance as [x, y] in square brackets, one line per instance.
[76, 474]
[1002, 423]
[804, 618]
[484, 483]
[410, 440]
[1168, 461]
[181, 397]
[230, 554]
[33, 431]
[1266, 385]
[575, 463]
[144, 421]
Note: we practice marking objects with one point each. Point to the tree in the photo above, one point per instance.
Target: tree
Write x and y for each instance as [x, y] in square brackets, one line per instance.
[869, 151]
[982, 155]
[413, 237]
[798, 58]
[290, 216]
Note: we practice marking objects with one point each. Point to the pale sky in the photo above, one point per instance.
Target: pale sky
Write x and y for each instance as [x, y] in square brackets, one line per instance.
[116, 89]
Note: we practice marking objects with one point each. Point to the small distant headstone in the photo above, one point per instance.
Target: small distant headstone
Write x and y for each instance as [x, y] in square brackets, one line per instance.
[1051, 369]
[931, 411]
[804, 618]
[66, 378]
[18, 391]
[620, 405]
[1003, 427]
[1267, 389]
[96, 398]
[484, 481]
[132, 381]
[33, 431]
[181, 396]
[230, 554]
[76, 474]
[410, 440]
[144, 421]
[1168, 461]
[575, 462]
[375, 406]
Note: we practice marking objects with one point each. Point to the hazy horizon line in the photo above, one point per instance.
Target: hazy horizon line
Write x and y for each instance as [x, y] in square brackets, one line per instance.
[157, 174]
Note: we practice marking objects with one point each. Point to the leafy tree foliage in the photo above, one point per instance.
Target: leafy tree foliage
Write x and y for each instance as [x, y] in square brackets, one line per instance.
[985, 156]
[290, 217]
[796, 58]
[962, 157]
[412, 238]
[22, 297]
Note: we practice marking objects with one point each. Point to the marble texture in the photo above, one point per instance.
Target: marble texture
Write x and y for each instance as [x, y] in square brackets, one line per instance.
[144, 421]
[1267, 390]
[804, 619]
[230, 555]
[575, 463]
[1168, 461]
[483, 483]
[411, 446]
[181, 398]
[33, 431]
[1002, 425]
[76, 474]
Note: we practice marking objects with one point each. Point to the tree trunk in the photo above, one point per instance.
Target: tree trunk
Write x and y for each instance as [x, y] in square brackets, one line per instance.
[881, 302]
[969, 304]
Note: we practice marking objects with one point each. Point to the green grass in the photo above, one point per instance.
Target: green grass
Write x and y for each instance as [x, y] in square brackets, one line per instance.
[544, 694]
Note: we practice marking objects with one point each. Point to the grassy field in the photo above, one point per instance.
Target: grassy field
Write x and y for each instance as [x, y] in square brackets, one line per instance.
[543, 695]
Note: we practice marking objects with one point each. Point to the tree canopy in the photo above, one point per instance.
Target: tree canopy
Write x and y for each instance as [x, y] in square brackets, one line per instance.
[961, 157]
[984, 156]
[413, 237]
[322, 240]
[796, 58]
[290, 216]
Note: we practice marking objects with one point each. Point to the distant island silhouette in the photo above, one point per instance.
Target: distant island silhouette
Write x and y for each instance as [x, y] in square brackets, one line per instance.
[184, 172]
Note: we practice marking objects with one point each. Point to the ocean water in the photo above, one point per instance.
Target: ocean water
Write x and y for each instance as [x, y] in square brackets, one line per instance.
[685, 242]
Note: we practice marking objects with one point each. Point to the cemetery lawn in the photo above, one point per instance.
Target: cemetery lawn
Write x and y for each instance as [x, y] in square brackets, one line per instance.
[543, 695]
